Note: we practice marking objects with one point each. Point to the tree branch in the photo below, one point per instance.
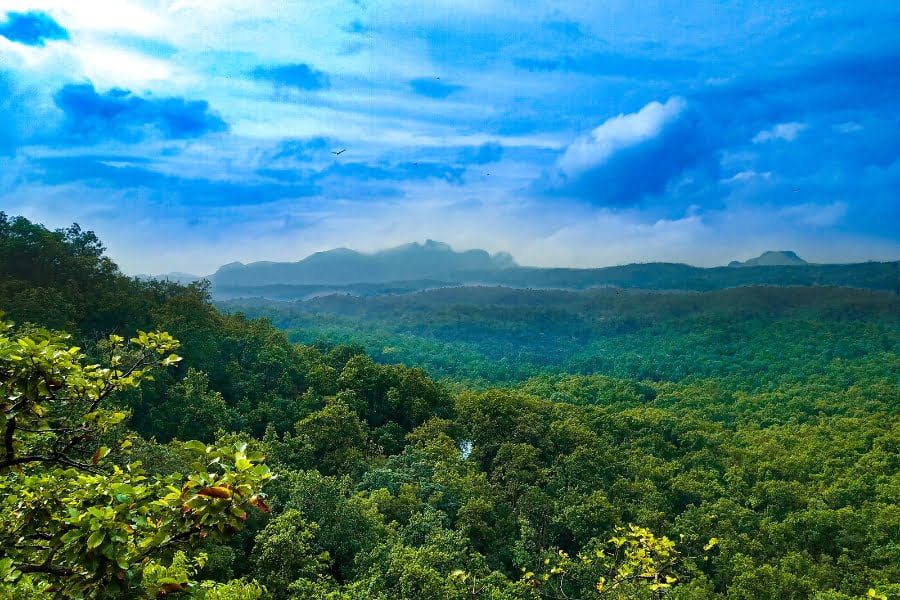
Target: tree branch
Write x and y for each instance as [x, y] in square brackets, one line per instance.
[9, 439]
[49, 569]
[62, 460]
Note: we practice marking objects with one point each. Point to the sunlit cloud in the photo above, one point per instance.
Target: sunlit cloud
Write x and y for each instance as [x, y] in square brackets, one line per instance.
[782, 131]
[566, 133]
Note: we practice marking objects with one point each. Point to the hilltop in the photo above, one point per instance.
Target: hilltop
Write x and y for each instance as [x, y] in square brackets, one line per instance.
[771, 258]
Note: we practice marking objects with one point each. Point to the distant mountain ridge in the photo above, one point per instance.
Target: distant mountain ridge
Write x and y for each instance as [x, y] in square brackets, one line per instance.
[771, 258]
[421, 266]
[342, 266]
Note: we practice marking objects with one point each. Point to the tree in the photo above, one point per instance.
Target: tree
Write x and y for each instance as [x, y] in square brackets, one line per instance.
[76, 518]
[634, 564]
[286, 551]
[191, 411]
[334, 438]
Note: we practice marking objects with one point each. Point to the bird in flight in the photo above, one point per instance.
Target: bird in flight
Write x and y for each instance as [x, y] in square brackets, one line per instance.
[339, 152]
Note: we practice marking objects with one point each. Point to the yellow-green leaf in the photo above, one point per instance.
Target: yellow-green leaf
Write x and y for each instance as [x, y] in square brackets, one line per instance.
[96, 539]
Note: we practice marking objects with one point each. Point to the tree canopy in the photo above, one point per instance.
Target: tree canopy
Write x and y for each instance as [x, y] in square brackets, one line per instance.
[733, 445]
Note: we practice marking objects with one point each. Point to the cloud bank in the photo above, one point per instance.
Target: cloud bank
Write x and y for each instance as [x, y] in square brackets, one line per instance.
[631, 156]
[192, 133]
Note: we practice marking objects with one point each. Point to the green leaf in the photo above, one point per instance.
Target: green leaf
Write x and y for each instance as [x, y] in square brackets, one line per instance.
[70, 536]
[195, 446]
[96, 539]
[171, 360]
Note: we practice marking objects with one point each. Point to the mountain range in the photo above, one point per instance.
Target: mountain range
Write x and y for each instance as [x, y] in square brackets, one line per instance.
[431, 260]
[414, 267]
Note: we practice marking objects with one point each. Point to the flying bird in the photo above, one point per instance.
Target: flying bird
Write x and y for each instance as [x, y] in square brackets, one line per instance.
[339, 152]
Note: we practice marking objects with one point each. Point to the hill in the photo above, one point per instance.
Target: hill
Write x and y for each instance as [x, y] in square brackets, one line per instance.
[341, 266]
[416, 267]
[771, 258]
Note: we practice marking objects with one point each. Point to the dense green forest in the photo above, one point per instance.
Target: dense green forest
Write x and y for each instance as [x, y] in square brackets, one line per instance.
[749, 337]
[737, 444]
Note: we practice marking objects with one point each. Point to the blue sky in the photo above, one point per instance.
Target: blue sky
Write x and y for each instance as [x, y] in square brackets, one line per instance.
[191, 133]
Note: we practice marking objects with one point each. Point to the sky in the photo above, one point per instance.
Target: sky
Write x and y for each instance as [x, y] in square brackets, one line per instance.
[193, 133]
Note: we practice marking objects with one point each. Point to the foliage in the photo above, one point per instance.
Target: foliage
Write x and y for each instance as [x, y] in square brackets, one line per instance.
[70, 518]
[638, 564]
[285, 552]
[737, 444]
[751, 337]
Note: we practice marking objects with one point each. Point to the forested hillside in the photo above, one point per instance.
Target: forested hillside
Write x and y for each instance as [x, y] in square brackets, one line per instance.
[751, 337]
[741, 444]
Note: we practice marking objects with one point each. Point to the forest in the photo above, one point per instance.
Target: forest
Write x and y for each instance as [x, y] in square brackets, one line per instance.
[490, 335]
[460, 443]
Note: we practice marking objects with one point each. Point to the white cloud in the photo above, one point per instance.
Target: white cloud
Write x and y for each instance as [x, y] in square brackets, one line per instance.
[108, 66]
[571, 235]
[816, 215]
[783, 131]
[848, 127]
[86, 57]
[617, 133]
[369, 108]
[98, 15]
[748, 175]
[608, 238]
